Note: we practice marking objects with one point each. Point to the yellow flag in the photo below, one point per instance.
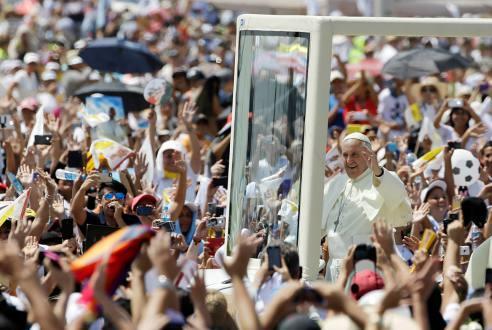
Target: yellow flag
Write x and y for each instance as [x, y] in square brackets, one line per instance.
[431, 155]
[416, 113]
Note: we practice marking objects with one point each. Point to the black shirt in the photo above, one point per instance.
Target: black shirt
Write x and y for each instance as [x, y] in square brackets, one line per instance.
[93, 218]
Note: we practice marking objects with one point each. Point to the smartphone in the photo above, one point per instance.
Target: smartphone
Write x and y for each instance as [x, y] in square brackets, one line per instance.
[212, 222]
[488, 276]
[365, 252]
[43, 139]
[212, 208]
[220, 181]
[143, 210]
[75, 159]
[465, 250]
[454, 145]
[455, 103]
[274, 257]
[67, 228]
[307, 294]
[106, 177]
[167, 226]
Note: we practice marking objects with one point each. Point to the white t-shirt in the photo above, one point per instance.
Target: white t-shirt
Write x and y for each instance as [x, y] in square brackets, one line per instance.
[392, 109]
[165, 183]
[27, 85]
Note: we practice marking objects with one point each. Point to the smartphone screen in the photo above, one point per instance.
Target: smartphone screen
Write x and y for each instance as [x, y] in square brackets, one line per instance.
[75, 159]
[220, 181]
[67, 228]
[274, 257]
[488, 276]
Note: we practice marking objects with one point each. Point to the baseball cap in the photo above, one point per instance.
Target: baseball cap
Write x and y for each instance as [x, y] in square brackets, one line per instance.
[31, 58]
[143, 198]
[29, 104]
[436, 183]
[52, 66]
[75, 60]
[335, 74]
[365, 281]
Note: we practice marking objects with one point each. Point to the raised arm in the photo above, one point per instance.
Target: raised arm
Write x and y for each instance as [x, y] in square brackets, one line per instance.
[186, 116]
[77, 207]
[440, 113]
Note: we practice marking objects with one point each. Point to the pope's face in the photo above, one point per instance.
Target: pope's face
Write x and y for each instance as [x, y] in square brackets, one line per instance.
[353, 158]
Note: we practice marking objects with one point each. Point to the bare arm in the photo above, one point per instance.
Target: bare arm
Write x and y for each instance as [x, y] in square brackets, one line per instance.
[78, 205]
[456, 237]
[179, 200]
[440, 113]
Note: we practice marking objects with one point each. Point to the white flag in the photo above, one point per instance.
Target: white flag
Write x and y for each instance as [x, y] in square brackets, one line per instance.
[146, 150]
[38, 128]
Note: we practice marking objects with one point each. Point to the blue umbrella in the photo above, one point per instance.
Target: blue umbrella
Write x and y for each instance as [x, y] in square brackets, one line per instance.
[119, 55]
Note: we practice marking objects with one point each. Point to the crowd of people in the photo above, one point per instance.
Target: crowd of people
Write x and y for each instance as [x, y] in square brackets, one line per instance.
[408, 183]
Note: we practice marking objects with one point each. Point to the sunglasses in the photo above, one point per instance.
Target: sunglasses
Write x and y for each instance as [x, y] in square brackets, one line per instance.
[117, 195]
[428, 90]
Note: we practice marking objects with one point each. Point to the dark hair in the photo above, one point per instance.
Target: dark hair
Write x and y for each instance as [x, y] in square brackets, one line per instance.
[113, 185]
[474, 210]
[291, 258]
[485, 146]
[450, 121]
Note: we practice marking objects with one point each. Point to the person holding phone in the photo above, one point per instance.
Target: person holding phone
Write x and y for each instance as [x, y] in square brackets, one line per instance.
[144, 206]
[109, 204]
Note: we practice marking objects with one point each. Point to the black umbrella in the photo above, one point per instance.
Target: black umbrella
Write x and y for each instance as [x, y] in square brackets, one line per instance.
[422, 62]
[119, 55]
[132, 96]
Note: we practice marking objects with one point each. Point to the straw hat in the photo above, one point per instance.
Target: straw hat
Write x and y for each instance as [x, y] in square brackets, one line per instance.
[441, 87]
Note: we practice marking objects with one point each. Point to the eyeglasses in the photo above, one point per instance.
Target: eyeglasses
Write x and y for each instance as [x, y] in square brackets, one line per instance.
[117, 195]
[429, 89]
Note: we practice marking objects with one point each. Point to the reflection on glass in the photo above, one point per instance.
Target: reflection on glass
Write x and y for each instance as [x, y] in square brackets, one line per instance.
[268, 135]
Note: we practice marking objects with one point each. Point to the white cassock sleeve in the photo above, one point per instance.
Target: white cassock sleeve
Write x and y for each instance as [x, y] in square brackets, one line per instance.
[396, 210]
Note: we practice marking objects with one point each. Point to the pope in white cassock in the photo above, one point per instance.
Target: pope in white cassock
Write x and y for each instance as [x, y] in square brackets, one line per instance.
[355, 199]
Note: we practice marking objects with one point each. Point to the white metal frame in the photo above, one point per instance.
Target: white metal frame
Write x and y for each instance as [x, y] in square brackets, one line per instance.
[321, 30]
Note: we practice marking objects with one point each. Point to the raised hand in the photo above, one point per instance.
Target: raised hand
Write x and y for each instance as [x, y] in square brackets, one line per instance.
[218, 168]
[141, 166]
[411, 242]
[238, 264]
[383, 235]
[187, 113]
[24, 174]
[421, 212]
[162, 256]
[20, 230]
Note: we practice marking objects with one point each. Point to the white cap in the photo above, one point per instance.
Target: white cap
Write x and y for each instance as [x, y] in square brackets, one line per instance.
[358, 136]
[31, 58]
[436, 183]
[172, 145]
[52, 66]
[335, 74]
[48, 76]
[75, 60]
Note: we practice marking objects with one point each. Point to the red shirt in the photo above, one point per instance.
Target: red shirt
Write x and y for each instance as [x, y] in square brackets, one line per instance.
[355, 105]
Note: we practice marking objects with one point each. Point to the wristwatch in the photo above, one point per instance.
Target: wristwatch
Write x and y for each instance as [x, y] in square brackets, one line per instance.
[165, 283]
